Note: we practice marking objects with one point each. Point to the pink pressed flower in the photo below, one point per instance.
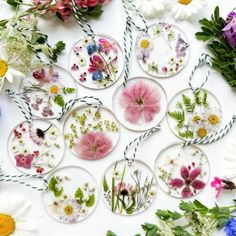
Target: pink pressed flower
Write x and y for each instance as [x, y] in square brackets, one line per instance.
[107, 46]
[139, 100]
[41, 76]
[63, 9]
[189, 181]
[87, 3]
[34, 137]
[24, 161]
[124, 189]
[93, 145]
[218, 185]
[96, 63]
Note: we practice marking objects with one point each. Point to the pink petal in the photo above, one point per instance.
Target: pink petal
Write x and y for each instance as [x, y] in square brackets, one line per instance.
[133, 114]
[216, 182]
[186, 192]
[198, 184]
[194, 173]
[178, 183]
[184, 172]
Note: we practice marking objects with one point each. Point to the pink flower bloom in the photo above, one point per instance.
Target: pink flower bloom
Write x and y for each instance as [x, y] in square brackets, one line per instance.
[24, 161]
[41, 76]
[96, 63]
[189, 181]
[107, 46]
[93, 145]
[87, 3]
[34, 137]
[63, 9]
[124, 189]
[139, 100]
[218, 185]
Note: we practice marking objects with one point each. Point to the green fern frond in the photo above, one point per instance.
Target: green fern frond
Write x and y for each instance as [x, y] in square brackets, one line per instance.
[187, 134]
[177, 115]
[131, 208]
[188, 103]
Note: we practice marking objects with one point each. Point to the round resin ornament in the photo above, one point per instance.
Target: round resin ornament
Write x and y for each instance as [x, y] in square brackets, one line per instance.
[47, 90]
[194, 114]
[162, 51]
[182, 171]
[141, 104]
[96, 62]
[37, 147]
[128, 189]
[91, 133]
[72, 194]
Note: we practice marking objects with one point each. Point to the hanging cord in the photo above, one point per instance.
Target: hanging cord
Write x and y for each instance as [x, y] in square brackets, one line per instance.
[204, 59]
[137, 141]
[17, 97]
[128, 45]
[214, 136]
[17, 179]
[71, 103]
[86, 27]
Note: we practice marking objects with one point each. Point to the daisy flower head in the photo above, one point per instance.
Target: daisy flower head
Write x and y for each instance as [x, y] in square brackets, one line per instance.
[144, 45]
[184, 9]
[13, 209]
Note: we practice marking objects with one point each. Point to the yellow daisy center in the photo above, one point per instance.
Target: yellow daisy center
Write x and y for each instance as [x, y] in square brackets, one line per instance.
[213, 119]
[68, 210]
[144, 43]
[3, 68]
[202, 132]
[7, 225]
[196, 118]
[185, 2]
[54, 89]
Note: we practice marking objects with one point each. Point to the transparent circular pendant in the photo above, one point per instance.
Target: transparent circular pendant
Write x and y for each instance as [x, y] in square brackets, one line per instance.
[182, 171]
[141, 104]
[128, 189]
[194, 115]
[72, 194]
[96, 63]
[163, 50]
[47, 90]
[91, 133]
[36, 148]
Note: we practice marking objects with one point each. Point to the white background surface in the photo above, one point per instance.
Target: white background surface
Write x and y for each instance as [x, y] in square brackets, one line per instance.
[112, 23]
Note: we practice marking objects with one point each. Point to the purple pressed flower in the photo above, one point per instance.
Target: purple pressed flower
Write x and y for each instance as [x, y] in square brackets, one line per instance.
[47, 112]
[35, 106]
[189, 181]
[229, 31]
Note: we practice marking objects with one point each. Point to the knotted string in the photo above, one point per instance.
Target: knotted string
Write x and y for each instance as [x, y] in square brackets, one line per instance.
[137, 141]
[17, 98]
[205, 59]
[84, 100]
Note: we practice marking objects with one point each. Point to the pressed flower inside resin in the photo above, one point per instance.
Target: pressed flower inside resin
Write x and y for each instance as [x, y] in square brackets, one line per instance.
[7, 225]
[36, 148]
[140, 104]
[185, 2]
[129, 189]
[71, 196]
[3, 68]
[194, 115]
[47, 90]
[182, 171]
[96, 62]
[91, 133]
[163, 50]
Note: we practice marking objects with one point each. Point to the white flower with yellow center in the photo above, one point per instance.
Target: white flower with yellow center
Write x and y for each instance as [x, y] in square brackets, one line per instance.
[184, 9]
[13, 209]
[7, 71]
[150, 8]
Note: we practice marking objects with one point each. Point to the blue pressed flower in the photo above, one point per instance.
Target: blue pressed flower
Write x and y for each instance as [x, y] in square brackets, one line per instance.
[230, 227]
[91, 49]
[97, 76]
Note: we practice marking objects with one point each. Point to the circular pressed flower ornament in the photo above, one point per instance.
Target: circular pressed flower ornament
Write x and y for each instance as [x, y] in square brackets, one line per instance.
[128, 189]
[97, 62]
[140, 104]
[47, 90]
[182, 171]
[37, 147]
[194, 114]
[91, 133]
[72, 194]
[162, 51]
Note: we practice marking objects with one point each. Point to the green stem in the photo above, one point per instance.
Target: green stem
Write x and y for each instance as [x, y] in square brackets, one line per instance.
[113, 190]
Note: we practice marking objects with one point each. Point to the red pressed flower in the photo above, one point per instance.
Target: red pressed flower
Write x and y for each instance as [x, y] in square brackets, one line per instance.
[139, 100]
[41, 76]
[96, 63]
[24, 161]
[189, 181]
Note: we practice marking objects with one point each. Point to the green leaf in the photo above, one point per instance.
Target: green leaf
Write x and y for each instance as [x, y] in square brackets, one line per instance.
[131, 208]
[180, 231]
[187, 206]
[188, 104]
[110, 233]
[68, 90]
[177, 115]
[105, 185]
[203, 36]
[186, 134]
[3, 23]
[53, 187]
[95, 11]
[221, 222]
[216, 14]
[57, 49]
[163, 215]
[79, 195]
[90, 201]
[151, 229]
[14, 3]
[200, 207]
[59, 100]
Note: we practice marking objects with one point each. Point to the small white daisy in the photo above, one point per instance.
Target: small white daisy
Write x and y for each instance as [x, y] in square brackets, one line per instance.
[84, 212]
[116, 174]
[184, 9]
[53, 133]
[14, 148]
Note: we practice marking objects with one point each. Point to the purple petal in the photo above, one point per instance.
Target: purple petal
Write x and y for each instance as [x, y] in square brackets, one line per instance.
[178, 183]
[186, 192]
[198, 184]
[194, 173]
[184, 172]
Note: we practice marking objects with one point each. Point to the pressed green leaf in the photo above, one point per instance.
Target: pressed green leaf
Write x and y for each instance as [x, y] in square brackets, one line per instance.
[186, 134]
[105, 185]
[14, 3]
[79, 195]
[110, 233]
[187, 206]
[58, 49]
[90, 201]
[95, 11]
[59, 100]
[188, 104]
[53, 187]
[67, 90]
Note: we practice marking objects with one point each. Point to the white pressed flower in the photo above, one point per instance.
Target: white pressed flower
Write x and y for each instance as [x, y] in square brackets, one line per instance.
[152, 192]
[184, 9]
[13, 209]
[53, 133]
[150, 8]
[171, 161]
[116, 174]
[21, 142]
[84, 212]
[14, 148]
[7, 71]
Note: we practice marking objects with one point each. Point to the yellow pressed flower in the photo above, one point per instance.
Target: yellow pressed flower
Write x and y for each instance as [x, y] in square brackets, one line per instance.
[144, 43]
[185, 2]
[202, 132]
[213, 119]
[3, 68]
[54, 89]
[7, 225]
[68, 210]
[196, 118]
